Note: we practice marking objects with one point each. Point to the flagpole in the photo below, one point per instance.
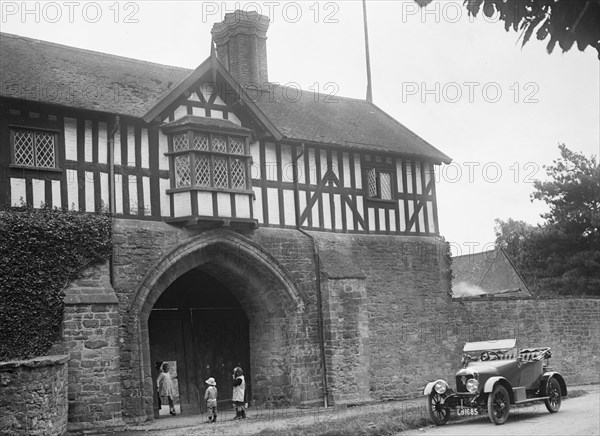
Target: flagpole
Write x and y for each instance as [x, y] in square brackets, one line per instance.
[369, 91]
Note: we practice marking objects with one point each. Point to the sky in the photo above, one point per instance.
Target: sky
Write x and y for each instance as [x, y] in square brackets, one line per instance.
[461, 83]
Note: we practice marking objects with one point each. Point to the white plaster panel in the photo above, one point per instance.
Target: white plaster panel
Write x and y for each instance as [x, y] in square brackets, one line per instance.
[339, 222]
[402, 215]
[411, 211]
[56, 200]
[257, 205]
[399, 176]
[72, 190]
[102, 142]
[302, 202]
[131, 146]
[430, 220]
[104, 190]
[349, 218]
[163, 147]
[360, 208]
[382, 225]
[180, 112]
[357, 171]
[270, 161]
[224, 204]
[242, 206]
[117, 147]
[17, 191]
[118, 193]
[145, 149]
[392, 220]
[146, 190]
[273, 202]
[255, 153]
[326, 211]
[205, 204]
[418, 177]
[288, 207]
[372, 225]
[87, 144]
[39, 192]
[70, 138]
[182, 204]
[346, 167]
[90, 205]
[165, 199]
[287, 170]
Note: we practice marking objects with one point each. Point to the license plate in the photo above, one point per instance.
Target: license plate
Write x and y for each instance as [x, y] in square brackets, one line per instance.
[467, 411]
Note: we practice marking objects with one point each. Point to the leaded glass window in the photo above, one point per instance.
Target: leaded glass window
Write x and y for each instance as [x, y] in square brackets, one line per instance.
[208, 160]
[379, 184]
[34, 148]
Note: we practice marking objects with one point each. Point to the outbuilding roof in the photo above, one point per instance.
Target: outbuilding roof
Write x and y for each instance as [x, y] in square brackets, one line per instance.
[57, 74]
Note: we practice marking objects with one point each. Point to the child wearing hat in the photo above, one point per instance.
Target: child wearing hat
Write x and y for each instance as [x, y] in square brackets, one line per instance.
[211, 399]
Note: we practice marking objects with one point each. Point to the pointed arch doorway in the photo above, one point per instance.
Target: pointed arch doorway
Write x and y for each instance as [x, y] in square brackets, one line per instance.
[201, 329]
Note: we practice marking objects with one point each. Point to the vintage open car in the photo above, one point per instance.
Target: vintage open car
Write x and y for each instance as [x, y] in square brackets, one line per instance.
[493, 377]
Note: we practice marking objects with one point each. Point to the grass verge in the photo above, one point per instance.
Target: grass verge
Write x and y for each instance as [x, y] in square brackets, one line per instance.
[365, 424]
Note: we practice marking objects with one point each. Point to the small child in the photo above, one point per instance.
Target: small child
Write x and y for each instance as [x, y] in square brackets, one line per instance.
[239, 392]
[211, 399]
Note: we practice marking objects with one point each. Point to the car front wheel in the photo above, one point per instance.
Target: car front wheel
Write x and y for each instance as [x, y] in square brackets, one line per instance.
[553, 391]
[498, 405]
[437, 411]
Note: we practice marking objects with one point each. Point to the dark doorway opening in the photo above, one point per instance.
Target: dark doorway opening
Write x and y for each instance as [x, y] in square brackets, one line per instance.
[199, 323]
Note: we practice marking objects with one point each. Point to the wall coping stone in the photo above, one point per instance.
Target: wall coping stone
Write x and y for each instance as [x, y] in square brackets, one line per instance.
[35, 362]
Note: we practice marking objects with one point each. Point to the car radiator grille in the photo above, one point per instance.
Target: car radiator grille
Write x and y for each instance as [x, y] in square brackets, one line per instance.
[460, 386]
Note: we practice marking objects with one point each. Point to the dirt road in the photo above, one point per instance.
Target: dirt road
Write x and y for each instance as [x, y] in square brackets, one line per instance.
[577, 417]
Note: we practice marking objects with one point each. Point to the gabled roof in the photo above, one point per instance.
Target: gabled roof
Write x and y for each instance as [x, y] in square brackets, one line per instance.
[485, 273]
[45, 72]
[58, 74]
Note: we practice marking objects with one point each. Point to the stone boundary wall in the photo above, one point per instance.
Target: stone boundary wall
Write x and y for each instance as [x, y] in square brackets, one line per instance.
[569, 326]
[33, 396]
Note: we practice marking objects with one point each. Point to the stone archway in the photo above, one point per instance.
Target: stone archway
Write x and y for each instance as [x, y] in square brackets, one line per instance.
[268, 296]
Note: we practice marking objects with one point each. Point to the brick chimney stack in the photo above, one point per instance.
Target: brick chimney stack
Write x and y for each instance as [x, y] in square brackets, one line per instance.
[241, 43]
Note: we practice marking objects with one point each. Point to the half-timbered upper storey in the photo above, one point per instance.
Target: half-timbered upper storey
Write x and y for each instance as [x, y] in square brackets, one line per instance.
[218, 145]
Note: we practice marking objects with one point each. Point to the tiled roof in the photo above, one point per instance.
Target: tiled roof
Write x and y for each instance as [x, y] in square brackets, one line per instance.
[69, 76]
[57, 74]
[302, 115]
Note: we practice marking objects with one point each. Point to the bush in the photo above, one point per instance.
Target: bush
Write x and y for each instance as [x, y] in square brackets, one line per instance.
[41, 251]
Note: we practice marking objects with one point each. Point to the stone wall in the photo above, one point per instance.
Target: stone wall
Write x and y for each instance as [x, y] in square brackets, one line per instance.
[389, 322]
[90, 336]
[33, 396]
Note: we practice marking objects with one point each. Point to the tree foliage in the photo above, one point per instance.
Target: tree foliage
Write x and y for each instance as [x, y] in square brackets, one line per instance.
[565, 22]
[561, 257]
[41, 250]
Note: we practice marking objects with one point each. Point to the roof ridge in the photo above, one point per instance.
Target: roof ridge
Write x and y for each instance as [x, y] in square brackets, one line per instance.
[85, 50]
[310, 90]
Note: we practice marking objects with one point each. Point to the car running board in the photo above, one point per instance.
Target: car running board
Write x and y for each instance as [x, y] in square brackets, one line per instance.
[529, 400]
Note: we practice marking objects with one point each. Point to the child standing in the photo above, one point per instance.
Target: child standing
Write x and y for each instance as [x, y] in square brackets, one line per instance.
[164, 386]
[239, 390]
[211, 399]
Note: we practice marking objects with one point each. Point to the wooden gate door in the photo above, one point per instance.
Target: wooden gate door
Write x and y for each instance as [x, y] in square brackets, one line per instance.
[221, 342]
[205, 342]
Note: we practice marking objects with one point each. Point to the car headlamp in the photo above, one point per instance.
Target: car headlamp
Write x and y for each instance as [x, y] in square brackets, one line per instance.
[472, 385]
[440, 387]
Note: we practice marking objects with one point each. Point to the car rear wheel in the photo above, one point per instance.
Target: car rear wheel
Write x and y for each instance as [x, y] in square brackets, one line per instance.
[498, 405]
[553, 391]
[437, 411]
